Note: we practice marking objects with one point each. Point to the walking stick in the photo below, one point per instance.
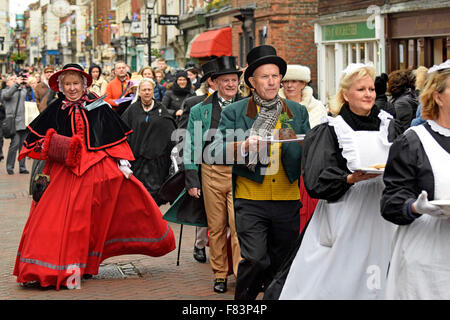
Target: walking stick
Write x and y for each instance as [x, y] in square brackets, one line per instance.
[179, 245]
[176, 168]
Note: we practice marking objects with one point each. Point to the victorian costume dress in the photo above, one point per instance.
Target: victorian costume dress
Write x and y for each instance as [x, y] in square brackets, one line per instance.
[345, 250]
[90, 211]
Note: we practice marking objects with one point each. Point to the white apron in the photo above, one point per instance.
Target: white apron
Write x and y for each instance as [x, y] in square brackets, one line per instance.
[346, 248]
[420, 266]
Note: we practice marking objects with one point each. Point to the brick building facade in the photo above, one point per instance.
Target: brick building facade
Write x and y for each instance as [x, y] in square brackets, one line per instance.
[287, 25]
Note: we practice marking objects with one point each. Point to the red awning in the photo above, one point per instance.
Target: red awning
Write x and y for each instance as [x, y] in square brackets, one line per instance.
[212, 43]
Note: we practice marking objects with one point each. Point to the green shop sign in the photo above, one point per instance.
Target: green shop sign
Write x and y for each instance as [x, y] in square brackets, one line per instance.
[347, 31]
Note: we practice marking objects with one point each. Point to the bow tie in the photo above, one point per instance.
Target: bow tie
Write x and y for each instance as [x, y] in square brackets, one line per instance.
[80, 103]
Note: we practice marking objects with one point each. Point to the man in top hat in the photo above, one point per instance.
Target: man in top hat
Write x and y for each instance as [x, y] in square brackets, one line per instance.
[265, 176]
[214, 178]
[43, 93]
[207, 87]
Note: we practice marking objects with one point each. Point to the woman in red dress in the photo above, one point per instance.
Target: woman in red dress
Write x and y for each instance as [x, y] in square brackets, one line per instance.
[93, 207]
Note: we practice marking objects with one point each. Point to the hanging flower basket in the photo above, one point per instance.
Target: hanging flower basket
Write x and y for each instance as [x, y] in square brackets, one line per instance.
[18, 58]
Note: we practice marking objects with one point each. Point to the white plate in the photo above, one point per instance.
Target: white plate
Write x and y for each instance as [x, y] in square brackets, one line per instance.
[443, 204]
[371, 170]
[300, 137]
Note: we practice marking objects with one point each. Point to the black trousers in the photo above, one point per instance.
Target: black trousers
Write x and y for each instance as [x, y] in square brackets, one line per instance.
[266, 231]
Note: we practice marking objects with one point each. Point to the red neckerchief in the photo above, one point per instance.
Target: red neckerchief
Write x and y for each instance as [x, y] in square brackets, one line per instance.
[80, 103]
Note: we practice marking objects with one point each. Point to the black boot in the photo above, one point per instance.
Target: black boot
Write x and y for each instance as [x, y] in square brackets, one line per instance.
[199, 254]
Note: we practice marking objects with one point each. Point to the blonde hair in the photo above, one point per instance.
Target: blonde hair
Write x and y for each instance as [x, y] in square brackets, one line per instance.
[436, 82]
[345, 83]
[421, 76]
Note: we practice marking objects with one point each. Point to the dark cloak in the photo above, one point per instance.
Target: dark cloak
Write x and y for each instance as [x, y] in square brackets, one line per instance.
[151, 144]
[109, 130]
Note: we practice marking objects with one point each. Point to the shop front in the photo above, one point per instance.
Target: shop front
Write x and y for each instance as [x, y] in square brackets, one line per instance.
[418, 38]
[341, 44]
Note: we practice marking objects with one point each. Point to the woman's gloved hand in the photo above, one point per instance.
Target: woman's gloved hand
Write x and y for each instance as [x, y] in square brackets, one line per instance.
[423, 206]
[125, 166]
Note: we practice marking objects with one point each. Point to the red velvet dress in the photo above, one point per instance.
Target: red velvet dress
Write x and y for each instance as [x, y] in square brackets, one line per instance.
[309, 205]
[87, 214]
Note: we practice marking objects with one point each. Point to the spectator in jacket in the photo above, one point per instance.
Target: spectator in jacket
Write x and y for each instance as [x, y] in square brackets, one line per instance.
[43, 94]
[169, 72]
[13, 98]
[421, 76]
[118, 86]
[99, 84]
[181, 89]
[404, 98]
[381, 100]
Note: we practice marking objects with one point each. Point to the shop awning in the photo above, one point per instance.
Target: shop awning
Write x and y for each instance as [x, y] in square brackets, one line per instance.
[212, 43]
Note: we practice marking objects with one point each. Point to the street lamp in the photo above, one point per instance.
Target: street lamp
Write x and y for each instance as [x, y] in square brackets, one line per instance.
[150, 6]
[18, 35]
[126, 29]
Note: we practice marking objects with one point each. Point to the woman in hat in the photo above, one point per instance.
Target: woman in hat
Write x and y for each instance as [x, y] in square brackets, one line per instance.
[416, 174]
[345, 249]
[151, 139]
[90, 206]
[295, 88]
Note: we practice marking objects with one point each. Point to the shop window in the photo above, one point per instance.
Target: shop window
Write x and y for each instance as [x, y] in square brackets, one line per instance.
[330, 72]
[354, 58]
[362, 52]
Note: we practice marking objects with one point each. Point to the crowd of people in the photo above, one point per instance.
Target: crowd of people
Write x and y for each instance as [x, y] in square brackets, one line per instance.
[347, 207]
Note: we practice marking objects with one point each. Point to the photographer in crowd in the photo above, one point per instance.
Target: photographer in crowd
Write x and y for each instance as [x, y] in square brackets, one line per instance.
[14, 97]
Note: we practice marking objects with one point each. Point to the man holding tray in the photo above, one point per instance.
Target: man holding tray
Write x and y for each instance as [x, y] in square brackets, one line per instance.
[265, 175]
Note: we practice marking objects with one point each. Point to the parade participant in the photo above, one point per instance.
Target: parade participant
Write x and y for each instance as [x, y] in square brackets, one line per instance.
[266, 189]
[345, 250]
[295, 88]
[151, 138]
[416, 174]
[206, 89]
[180, 90]
[216, 178]
[99, 84]
[90, 206]
[117, 87]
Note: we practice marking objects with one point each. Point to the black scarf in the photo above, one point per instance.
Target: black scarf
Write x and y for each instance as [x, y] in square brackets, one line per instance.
[360, 123]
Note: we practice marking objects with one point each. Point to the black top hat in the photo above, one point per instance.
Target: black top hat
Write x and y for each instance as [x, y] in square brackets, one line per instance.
[263, 55]
[226, 65]
[208, 69]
